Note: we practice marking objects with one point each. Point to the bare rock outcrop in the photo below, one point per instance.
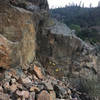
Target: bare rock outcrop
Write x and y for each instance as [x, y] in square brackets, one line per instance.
[17, 36]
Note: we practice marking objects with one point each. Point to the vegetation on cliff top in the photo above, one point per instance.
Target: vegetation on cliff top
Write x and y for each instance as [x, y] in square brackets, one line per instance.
[86, 21]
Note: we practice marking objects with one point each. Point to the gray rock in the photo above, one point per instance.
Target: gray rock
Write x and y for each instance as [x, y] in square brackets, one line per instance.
[32, 7]
[60, 29]
[32, 96]
[48, 85]
[60, 92]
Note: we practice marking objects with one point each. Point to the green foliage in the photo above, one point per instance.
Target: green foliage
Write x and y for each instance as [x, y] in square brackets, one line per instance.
[90, 35]
[84, 17]
[80, 19]
[77, 28]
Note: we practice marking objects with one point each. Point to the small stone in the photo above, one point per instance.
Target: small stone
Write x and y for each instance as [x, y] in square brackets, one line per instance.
[1, 89]
[35, 78]
[41, 86]
[25, 94]
[53, 95]
[32, 96]
[33, 88]
[38, 72]
[19, 99]
[6, 85]
[44, 95]
[26, 80]
[74, 98]
[30, 77]
[8, 75]
[70, 97]
[19, 86]
[4, 96]
[13, 80]
[69, 91]
[48, 85]
[19, 93]
[60, 91]
[13, 87]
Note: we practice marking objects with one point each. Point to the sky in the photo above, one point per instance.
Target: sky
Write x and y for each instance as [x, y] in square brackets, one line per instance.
[62, 3]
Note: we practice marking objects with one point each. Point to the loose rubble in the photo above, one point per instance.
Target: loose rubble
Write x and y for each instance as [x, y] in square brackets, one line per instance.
[23, 86]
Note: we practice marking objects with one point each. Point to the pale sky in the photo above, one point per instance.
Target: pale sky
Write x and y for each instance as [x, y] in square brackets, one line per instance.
[61, 3]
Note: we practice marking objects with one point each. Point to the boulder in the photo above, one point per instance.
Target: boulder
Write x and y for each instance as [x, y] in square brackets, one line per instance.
[44, 95]
[38, 72]
[17, 36]
[60, 92]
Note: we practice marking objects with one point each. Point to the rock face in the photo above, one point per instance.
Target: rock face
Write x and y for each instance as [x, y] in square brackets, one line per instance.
[64, 50]
[65, 55]
[17, 36]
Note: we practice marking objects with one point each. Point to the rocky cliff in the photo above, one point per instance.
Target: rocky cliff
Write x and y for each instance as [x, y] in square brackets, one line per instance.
[34, 47]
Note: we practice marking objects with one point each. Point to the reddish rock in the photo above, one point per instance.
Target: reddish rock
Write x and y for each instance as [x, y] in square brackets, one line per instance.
[4, 52]
[6, 85]
[44, 95]
[17, 36]
[38, 72]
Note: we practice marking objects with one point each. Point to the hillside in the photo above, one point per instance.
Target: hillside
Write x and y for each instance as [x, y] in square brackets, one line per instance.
[86, 21]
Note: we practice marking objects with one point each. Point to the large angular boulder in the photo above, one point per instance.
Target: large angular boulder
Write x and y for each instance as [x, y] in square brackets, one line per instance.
[17, 36]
